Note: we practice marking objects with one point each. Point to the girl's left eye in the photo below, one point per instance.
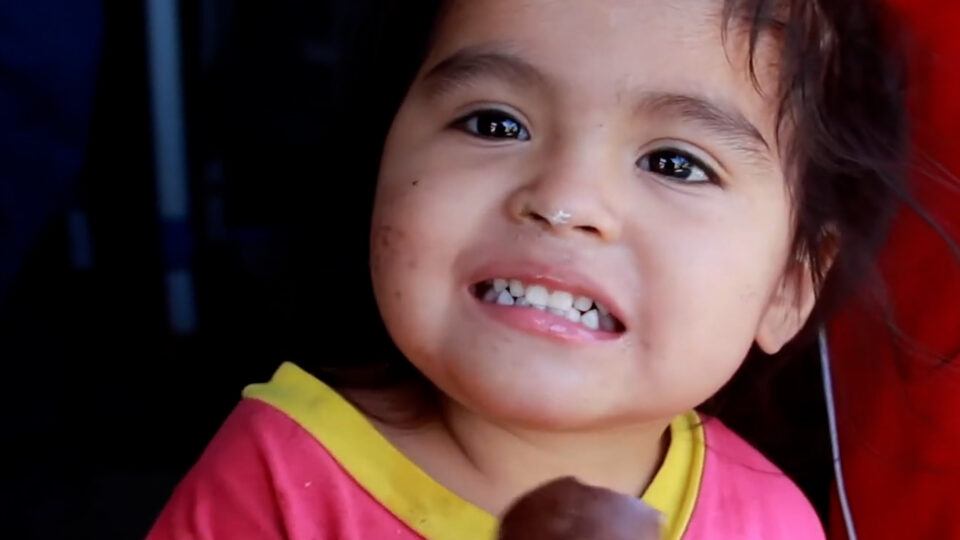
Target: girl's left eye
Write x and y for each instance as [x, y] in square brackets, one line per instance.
[677, 166]
[494, 124]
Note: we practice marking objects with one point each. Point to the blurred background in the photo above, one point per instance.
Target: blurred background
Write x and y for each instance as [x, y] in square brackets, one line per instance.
[156, 161]
[153, 158]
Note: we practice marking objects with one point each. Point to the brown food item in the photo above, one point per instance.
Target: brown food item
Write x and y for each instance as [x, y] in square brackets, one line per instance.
[565, 509]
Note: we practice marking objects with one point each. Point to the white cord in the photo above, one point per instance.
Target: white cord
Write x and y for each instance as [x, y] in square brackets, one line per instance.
[834, 435]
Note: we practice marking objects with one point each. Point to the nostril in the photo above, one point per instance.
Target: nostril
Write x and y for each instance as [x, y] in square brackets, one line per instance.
[590, 229]
[536, 217]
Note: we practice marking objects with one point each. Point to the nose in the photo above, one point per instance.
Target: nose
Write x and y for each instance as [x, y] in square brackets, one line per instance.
[571, 198]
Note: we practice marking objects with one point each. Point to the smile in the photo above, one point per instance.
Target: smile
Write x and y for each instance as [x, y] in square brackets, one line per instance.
[538, 308]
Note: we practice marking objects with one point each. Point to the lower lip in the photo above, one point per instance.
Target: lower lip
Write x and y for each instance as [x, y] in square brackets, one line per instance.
[543, 323]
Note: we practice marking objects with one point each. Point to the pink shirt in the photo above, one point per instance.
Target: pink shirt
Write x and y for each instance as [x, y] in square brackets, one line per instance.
[295, 460]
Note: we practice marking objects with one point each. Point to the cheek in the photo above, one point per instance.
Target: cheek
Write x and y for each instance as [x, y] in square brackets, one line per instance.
[390, 254]
[401, 247]
[708, 286]
[418, 230]
[415, 228]
[404, 224]
[396, 257]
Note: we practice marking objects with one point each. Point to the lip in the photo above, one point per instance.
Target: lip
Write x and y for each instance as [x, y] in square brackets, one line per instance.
[543, 322]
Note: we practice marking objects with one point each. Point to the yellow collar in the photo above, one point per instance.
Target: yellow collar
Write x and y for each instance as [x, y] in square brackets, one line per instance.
[421, 502]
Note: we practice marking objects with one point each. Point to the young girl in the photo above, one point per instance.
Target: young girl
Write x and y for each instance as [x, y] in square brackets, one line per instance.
[587, 214]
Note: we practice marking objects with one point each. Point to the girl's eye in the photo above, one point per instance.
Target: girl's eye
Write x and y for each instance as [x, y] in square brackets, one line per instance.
[493, 124]
[678, 166]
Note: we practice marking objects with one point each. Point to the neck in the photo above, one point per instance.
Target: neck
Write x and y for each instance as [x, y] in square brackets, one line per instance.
[494, 462]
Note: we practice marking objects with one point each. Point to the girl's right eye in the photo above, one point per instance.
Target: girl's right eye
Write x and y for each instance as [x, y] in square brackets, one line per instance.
[493, 124]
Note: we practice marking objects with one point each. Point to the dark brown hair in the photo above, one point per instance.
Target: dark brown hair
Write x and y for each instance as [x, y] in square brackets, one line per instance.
[842, 107]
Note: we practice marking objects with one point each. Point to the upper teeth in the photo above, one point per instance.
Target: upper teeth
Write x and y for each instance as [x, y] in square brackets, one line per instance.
[537, 295]
[582, 309]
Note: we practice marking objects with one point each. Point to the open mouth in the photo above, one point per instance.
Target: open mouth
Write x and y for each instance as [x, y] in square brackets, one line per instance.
[577, 309]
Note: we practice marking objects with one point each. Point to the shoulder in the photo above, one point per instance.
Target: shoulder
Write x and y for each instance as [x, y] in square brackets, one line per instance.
[266, 474]
[745, 495]
[260, 475]
[258, 436]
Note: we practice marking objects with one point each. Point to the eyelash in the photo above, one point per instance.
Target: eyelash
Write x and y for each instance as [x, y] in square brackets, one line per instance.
[494, 124]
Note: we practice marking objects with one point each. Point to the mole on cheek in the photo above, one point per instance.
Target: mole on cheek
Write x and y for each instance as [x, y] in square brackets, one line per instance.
[388, 237]
[383, 236]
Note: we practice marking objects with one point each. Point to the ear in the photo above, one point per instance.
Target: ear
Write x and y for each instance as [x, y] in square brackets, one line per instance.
[788, 309]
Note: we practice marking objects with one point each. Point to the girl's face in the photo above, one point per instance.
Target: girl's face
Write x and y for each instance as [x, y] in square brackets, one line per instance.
[613, 150]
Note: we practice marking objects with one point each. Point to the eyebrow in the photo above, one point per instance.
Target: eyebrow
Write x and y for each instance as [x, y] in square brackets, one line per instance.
[471, 63]
[729, 125]
[726, 123]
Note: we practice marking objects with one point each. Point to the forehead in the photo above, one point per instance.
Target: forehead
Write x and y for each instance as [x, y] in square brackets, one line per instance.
[599, 50]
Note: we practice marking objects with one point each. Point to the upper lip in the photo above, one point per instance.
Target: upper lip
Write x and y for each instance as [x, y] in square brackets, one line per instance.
[553, 277]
